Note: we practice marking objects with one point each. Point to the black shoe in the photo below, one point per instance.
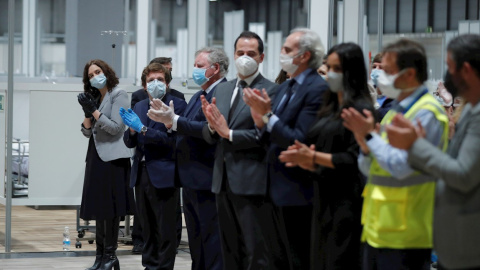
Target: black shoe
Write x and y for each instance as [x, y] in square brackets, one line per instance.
[97, 264]
[110, 262]
[137, 249]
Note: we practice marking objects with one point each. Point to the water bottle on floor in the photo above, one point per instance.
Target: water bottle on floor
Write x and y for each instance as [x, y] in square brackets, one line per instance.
[66, 239]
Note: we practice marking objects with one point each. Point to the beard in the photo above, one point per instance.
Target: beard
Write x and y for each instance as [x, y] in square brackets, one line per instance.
[455, 84]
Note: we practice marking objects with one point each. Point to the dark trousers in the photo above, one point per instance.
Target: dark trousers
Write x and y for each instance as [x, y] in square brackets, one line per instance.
[201, 217]
[137, 238]
[157, 211]
[395, 259]
[106, 235]
[249, 232]
[297, 224]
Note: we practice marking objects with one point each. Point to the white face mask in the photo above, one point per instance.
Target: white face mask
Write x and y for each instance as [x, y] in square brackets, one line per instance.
[335, 81]
[286, 62]
[386, 84]
[246, 65]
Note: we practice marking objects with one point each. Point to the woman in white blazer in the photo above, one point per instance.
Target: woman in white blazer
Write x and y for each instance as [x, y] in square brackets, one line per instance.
[106, 196]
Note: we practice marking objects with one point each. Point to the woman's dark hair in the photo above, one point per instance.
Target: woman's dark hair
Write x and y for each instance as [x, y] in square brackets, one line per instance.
[282, 76]
[355, 86]
[112, 79]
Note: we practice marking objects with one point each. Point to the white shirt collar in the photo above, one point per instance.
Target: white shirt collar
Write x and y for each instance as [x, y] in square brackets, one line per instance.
[250, 79]
[213, 85]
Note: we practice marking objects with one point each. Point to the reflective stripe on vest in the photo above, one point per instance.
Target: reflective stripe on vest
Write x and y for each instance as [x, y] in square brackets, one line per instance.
[388, 181]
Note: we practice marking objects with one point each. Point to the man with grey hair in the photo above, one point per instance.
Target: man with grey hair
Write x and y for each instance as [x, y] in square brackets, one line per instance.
[283, 122]
[195, 159]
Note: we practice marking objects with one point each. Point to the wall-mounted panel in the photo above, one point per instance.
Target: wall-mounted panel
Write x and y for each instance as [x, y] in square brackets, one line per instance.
[440, 8]
[421, 16]
[405, 19]
[390, 16]
[457, 12]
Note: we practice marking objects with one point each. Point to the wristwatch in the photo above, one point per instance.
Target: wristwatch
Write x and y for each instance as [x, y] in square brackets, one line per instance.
[143, 130]
[266, 117]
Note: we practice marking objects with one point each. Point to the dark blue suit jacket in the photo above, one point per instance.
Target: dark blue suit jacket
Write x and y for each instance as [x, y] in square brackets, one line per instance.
[293, 186]
[195, 156]
[157, 145]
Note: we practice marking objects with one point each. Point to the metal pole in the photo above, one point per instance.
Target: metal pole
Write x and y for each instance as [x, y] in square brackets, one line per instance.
[331, 10]
[8, 207]
[380, 25]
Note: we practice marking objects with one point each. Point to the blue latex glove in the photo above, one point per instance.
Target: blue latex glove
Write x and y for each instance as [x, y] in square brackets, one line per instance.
[131, 119]
[124, 114]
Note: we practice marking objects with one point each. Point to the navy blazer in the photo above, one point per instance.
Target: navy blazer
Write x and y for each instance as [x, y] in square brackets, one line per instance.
[293, 186]
[157, 145]
[194, 155]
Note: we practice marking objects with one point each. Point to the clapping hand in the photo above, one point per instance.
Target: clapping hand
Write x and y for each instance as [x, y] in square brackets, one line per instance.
[88, 104]
[215, 119]
[402, 133]
[131, 119]
[300, 155]
[160, 112]
[259, 101]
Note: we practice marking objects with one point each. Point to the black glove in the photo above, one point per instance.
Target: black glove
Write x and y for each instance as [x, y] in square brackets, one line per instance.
[95, 92]
[87, 115]
[87, 102]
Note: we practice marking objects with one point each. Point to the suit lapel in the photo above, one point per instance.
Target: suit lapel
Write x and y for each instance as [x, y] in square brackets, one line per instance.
[191, 104]
[106, 99]
[257, 83]
[223, 104]
[281, 92]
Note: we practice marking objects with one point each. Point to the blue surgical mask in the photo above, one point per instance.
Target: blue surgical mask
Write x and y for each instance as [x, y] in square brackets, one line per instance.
[156, 89]
[98, 81]
[199, 77]
[374, 75]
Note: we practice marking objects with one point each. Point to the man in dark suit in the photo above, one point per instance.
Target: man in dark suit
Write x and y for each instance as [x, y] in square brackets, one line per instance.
[245, 213]
[195, 159]
[137, 96]
[294, 109]
[140, 94]
[153, 171]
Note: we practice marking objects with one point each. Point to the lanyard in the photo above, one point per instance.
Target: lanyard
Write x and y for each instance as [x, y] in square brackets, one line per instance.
[405, 110]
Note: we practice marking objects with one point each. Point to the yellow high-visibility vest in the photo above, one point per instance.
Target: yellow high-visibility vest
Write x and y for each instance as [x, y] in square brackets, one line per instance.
[398, 214]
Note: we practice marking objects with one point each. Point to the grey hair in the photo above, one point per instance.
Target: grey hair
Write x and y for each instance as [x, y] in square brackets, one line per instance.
[216, 55]
[310, 41]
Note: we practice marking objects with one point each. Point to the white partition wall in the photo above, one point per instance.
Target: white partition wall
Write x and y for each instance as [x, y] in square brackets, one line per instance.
[57, 151]
[320, 20]
[3, 120]
[57, 148]
[259, 28]
[463, 27]
[144, 15]
[353, 21]
[232, 28]
[274, 42]
[475, 27]
[340, 22]
[197, 29]
[28, 35]
[182, 54]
